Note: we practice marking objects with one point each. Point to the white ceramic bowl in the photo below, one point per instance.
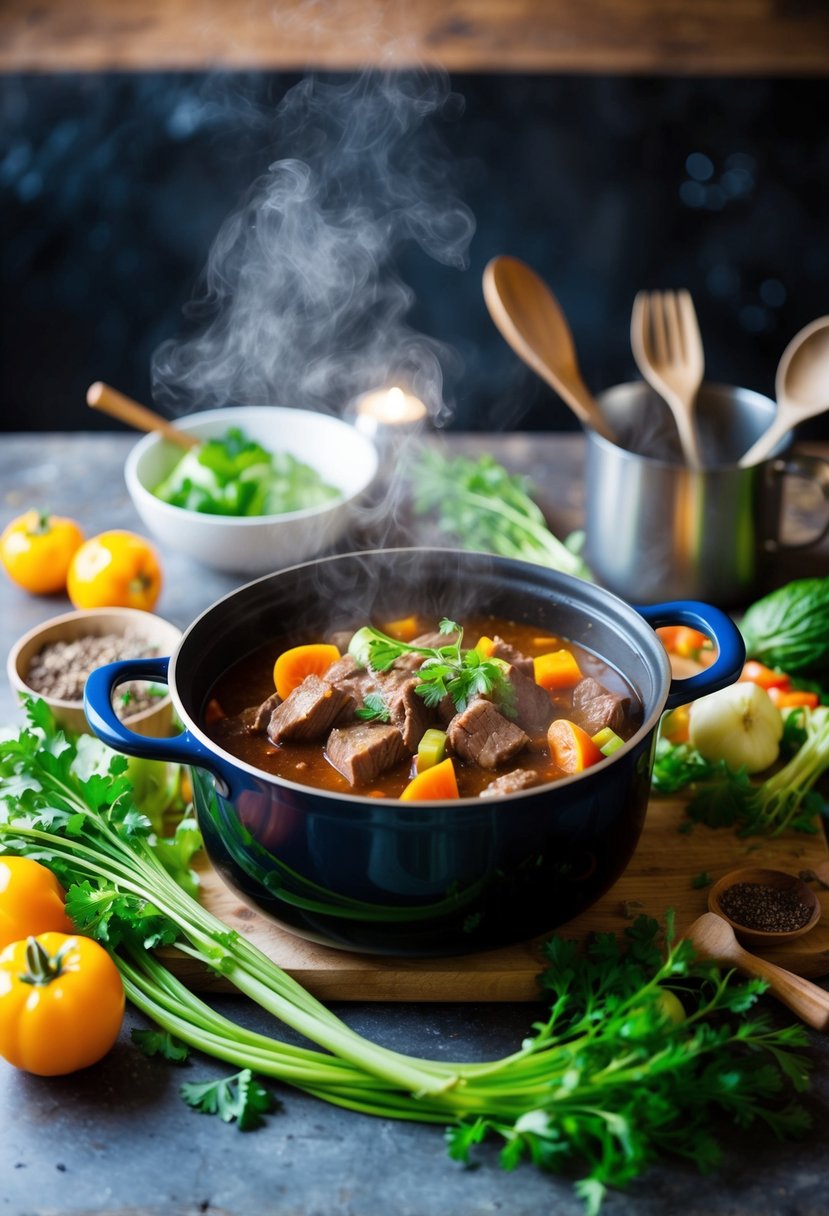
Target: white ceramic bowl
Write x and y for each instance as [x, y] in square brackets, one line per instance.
[257, 544]
[149, 631]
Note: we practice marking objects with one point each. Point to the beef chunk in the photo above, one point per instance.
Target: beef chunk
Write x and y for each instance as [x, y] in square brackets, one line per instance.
[309, 712]
[484, 736]
[407, 711]
[262, 716]
[531, 704]
[364, 750]
[510, 783]
[511, 654]
[595, 707]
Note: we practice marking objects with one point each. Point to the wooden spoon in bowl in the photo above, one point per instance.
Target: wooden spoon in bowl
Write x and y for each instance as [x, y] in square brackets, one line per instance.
[714, 939]
[530, 318]
[101, 397]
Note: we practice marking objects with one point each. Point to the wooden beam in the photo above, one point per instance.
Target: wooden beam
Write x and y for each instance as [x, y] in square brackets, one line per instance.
[757, 37]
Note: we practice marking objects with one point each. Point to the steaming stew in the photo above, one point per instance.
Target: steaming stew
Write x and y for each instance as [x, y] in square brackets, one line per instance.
[350, 728]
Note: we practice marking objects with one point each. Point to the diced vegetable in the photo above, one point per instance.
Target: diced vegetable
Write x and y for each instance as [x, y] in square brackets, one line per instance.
[676, 724]
[607, 741]
[682, 640]
[485, 646]
[571, 747]
[738, 724]
[757, 673]
[293, 665]
[405, 629]
[793, 698]
[431, 748]
[234, 475]
[556, 669]
[434, 784]
[789, 628]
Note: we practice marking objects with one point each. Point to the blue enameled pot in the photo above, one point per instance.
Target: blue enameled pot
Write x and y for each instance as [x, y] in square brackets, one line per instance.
[408, 878]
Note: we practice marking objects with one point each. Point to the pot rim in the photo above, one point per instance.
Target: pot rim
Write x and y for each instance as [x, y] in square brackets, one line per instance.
[658, 656]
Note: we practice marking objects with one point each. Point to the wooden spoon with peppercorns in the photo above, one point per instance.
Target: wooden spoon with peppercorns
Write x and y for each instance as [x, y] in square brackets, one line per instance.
[713, 938]
[764, 907]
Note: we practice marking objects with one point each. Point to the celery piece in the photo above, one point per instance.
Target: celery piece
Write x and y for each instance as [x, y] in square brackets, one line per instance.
[607, 741]
[431, 748]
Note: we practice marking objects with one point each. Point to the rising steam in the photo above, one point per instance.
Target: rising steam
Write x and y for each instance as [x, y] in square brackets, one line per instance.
[300, 303]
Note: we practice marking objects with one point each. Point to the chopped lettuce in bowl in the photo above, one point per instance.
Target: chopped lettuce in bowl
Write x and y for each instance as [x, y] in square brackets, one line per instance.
[235, 475]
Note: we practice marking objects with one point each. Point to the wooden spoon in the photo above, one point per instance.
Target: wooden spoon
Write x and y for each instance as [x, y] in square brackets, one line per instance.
[713, 939]
[778, 880]
[101, 397]
[530, 318]
[801, 387]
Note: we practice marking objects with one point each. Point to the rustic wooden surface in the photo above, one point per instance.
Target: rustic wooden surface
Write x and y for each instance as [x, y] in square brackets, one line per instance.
[659, 877]
[761, 37]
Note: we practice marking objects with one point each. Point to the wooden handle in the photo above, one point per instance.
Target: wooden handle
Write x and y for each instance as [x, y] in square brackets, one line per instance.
[807, 1000]
[101, 397]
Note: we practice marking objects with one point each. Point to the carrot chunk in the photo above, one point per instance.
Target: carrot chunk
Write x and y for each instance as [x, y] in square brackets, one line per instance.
[434, 784]
[556, 669]
[682, 640]
[485, 646]
[757, 673]
[793, 698]
[571, 747]
[405, 628]
[293, 665]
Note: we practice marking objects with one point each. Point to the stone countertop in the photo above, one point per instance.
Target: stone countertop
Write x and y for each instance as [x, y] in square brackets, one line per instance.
[117, 1138]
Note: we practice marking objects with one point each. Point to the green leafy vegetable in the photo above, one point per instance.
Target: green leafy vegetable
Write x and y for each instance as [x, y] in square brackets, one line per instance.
[234, 475]
[608, 1081]
[484, 507]
[446, 671]
[239, 1098]
[789, 628]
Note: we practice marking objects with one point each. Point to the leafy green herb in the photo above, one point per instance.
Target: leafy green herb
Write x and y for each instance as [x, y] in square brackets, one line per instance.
[234, 475]
[446, 671]
[374, 708]
[484, 507]
[701, 880]
[609, 1081]
[238, 1098]
[161, 1043]
[679, 765]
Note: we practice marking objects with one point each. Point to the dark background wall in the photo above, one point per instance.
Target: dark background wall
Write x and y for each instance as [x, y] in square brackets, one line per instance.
[113, 188]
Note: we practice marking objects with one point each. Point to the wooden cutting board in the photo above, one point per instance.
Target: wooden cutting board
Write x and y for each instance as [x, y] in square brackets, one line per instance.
[659, 877]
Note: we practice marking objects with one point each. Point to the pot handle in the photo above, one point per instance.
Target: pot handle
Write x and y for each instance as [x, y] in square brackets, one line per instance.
[102, 718]
[715, 624]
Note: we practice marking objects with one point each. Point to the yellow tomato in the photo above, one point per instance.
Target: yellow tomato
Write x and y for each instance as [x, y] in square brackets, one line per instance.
[31, 900]
[116, 569]
[36, 550]
[61, 1003]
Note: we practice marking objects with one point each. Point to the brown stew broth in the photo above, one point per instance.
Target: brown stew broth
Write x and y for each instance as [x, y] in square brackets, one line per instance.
[244, 686]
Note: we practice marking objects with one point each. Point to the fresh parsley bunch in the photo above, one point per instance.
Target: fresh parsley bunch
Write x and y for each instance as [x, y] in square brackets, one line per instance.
[642, 1047]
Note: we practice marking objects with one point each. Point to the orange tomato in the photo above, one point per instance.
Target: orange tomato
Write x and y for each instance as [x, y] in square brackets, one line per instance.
[31, 900]
[36, 549]
[61, 1003]
[116, 569]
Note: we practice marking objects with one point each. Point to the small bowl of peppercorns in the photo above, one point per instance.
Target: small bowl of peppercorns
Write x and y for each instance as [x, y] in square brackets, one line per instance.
[765, 907]
[53, 660]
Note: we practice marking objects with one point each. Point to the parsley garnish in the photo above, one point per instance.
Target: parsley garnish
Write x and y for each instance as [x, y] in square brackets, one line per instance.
[374, 708]
[446, 671]
[238, 1098]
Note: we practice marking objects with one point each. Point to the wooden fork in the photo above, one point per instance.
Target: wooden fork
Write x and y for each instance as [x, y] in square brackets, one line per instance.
[667, 347]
